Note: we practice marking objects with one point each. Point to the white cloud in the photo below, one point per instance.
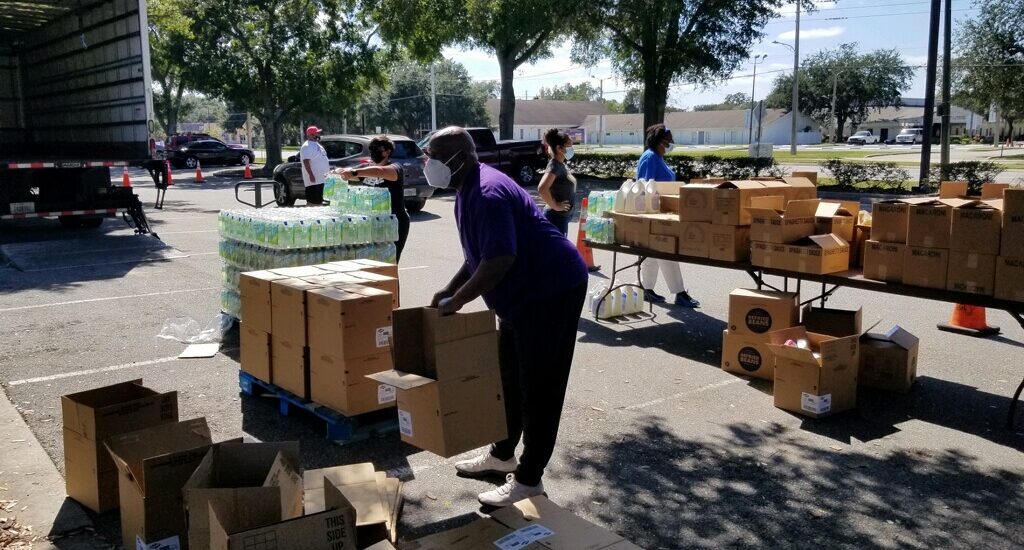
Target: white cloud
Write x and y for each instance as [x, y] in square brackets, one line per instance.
[810, 34]
[913, 60]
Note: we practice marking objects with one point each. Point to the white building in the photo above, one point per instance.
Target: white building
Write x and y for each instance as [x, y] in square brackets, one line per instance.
[533, 117]
[888, 121]
[733, 127]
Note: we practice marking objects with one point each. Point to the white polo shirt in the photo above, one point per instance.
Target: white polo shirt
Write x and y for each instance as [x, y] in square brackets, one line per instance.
[316, 155]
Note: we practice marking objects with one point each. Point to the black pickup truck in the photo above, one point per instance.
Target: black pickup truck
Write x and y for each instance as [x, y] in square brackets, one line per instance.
[518, 159]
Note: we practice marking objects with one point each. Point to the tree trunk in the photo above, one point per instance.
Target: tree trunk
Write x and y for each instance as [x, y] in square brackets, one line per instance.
[841, 122]
[507, 113]
[655, 98]
[272, 140]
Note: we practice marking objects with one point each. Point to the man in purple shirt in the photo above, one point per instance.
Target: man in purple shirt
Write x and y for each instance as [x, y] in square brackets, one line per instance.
[535, 280]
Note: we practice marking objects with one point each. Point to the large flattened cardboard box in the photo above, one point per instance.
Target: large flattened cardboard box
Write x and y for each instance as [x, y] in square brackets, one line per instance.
[288, 307]
[976, 227]
[262, 528]
[375, 498]
[341, 384]
[1010, 279]
[254, 351]
[239, 479]
[555, 528]
[929, 222]
[819, 381]
[290, 366]
[449, 391]
[254, 288]
[888, 361]
[482, 533]
[758, 312]
[971, 272]
[889, 221]
[631, 229]
[925, 267]
[817, 254]
[153, 466]
[349, 322]
[775, 222]
[884, 261]
[750, 355]
[92, 416]
[1012, 242]
[729, 243]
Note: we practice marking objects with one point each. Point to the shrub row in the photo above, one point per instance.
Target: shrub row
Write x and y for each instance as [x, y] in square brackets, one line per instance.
[880, 175]
[974, 172]
[685, 167]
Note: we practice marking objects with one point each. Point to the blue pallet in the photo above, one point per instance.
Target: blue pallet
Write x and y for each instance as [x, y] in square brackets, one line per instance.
[340, 428]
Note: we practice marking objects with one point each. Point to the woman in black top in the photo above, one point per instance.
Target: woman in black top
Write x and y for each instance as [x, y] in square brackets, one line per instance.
[558, 188]
[384, 173]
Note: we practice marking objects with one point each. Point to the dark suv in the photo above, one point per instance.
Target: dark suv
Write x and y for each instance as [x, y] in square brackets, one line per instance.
[208, 151]
[354, 150]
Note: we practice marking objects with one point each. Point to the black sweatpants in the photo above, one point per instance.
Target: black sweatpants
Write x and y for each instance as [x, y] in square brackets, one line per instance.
[535, 354]
[403, 232]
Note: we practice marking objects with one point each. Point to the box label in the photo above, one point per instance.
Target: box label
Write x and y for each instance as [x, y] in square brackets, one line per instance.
[383, 337]
[817, 404]
[524, 537]
[385, 394]
[404, 423]
[749, 358]
[23, 207]
[758, 320]
[170, 543]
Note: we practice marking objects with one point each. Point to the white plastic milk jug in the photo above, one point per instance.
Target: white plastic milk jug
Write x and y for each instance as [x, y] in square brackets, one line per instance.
[653, 197]
[622, 196]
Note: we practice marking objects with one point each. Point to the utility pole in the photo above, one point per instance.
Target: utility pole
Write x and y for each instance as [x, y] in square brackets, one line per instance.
[947, 51]
[796, 83]
[433, 100]
[248, 130]
[929, 94]
[753, 88]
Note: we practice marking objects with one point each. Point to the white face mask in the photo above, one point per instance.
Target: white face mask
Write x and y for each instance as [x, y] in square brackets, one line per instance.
[569, 153]
[438, 173]
[669, 147]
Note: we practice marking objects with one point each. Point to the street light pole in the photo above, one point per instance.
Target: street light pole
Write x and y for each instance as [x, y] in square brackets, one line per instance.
[796, 83]
[753, 87]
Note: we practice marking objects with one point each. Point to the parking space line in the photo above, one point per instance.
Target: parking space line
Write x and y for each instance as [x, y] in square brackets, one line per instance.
[413, 267]
[188, 232]
[109, 298]
[92, 371]
[702, 389]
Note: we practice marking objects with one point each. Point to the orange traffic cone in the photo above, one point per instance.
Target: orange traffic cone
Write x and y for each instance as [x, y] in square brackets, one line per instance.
[581, 246]
[126, 181]
[969, 320]
[199, 173]
[248, 171]
[167, 173]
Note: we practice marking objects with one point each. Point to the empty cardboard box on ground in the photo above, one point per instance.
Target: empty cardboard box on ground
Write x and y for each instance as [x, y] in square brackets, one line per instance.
[153, 466]
[758, 312]
[239, 478]
[375, 498]
[819, 381]
[888, 361]
[449, 391]
[92, 416]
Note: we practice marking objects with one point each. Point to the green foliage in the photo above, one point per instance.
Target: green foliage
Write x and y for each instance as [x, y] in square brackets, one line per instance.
[170, 35]
[404, 104]
[738, 100]
[863, 81]
[884, 176]
[583, 91]
[279, 59]
[974, 172]
[685, 167]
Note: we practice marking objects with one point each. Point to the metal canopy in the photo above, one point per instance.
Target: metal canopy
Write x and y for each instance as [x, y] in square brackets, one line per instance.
[18, 16]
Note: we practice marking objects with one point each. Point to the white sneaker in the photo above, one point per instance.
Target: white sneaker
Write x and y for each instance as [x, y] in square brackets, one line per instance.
[486, 464]
[510, 493]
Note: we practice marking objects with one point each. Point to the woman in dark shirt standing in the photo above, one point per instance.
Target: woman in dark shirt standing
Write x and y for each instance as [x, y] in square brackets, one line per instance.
[384, 173]
[558, 188]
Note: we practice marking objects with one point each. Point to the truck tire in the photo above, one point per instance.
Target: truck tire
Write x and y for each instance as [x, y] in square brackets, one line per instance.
[525, 174]
[415, 205]
[282, 194]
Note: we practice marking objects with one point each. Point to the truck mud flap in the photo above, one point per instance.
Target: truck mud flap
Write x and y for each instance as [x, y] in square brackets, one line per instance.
[135, 217]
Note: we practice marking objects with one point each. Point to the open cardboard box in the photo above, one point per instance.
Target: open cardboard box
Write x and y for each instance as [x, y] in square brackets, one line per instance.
[750, 355]
[775, 221]
[375, 498]
[838, 217]
[817, 254]
[236, 476]
[888, 360]
[820, 380]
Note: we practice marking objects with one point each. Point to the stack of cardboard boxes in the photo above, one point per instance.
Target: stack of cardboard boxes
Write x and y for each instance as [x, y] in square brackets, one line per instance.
[316, 331]
[756, 319]
[804, 236]
[1010, 263]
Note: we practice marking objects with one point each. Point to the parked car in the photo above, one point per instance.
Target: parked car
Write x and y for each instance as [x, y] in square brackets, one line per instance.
[208, 152]
[862, 137]
[910, 136]
[520, 159]
[179, 140]
[354, 150]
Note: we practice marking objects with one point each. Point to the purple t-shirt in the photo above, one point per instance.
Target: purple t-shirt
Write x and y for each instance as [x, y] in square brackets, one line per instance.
[496, 217]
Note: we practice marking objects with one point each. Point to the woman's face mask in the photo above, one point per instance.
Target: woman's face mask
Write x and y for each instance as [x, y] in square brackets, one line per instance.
[569, 153]
[438, 173]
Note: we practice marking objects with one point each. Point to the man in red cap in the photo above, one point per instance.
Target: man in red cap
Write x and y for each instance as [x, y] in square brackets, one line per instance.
[314, 166]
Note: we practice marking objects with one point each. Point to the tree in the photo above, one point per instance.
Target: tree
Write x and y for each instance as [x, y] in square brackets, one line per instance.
[738, 100]
[656, 43]
[583, 91]
[633, 102]
[863, 81]
[989, 67]
[404, 104]
[281, 58]
[169, 37]
[516, 31]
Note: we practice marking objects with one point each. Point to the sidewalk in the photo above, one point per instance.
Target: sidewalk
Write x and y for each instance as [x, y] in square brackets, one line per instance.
[29, 478]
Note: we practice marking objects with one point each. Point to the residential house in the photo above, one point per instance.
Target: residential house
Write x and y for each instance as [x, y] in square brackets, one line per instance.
[733, 127]
[888, 121]
[533, 117]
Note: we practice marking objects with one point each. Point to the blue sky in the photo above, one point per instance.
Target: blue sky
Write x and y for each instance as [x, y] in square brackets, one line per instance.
[874, 24]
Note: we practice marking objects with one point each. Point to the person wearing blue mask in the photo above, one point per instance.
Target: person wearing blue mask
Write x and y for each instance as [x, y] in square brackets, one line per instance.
[652, 166]
[535, 281]
[558, 187]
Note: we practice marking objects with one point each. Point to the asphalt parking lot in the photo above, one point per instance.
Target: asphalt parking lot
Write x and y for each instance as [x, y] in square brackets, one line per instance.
[657, 443]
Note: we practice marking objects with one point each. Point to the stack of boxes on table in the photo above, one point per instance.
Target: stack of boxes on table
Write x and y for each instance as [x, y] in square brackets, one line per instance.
[124, 447]
[954, 242]
[817, 358]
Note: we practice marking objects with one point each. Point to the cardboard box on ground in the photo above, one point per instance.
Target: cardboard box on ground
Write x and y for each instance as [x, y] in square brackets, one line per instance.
[449, 394]
[375, 498]
[819, 381]
[90, 418]
[756, 318]
[888, 360]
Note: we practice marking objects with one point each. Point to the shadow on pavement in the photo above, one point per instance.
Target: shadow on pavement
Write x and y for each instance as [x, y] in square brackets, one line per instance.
[761, 487]
[687, 333]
